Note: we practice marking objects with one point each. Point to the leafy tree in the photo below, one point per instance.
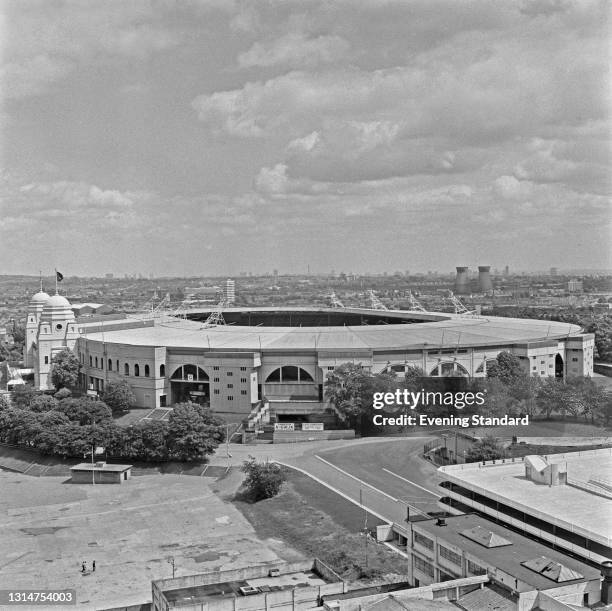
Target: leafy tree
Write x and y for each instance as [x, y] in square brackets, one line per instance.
[22, 395]
[193, 432]
[4, 402]
[263, 480]
[118, 396]
[43, 403]
[507, 368]
[551, 397]
[84, 411]
[63, 393]
[65, 369]
[487, 448]
[414, 377]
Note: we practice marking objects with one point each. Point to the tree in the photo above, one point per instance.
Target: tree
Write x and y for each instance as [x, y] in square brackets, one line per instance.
[414, 377]
[22, 395]
[487, 448]
[193, 432]
[42, 403]
[507, 368]
[84, 411]
[118, 396]
[65, 369]
[263, 480]
[4, 402]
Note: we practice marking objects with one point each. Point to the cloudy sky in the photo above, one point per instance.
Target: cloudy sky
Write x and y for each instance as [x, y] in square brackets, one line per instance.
[210, 136]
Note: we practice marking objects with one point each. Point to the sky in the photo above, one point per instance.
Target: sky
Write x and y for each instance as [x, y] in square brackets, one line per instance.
[211, 137]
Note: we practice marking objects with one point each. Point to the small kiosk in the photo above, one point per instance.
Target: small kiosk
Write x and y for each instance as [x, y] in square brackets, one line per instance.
[100, 473]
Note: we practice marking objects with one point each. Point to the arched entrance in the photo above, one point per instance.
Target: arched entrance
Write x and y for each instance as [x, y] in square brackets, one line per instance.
[450, 369]
[559, 367]
[190, 383]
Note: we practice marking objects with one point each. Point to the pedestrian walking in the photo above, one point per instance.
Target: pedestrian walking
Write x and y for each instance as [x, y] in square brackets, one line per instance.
[83, 566]
[93, 566]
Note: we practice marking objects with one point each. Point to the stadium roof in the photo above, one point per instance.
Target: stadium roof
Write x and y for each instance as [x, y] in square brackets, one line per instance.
[437, 331]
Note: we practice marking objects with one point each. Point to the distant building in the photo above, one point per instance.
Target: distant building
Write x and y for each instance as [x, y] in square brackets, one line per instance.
[230, 291]
[575, 286]
[554, 271]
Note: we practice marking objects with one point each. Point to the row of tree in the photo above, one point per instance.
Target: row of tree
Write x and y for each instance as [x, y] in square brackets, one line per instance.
[72, 427]
[508, 390]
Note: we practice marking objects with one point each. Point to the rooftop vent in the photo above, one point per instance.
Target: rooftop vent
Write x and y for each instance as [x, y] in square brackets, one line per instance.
[441, 522]
[552, 569]
[248, 590]
[485, 537]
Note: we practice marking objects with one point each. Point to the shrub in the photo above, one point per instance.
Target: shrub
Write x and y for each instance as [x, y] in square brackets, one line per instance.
[263, 480]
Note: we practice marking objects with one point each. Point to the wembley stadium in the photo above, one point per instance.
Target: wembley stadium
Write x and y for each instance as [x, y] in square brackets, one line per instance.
[234, 358]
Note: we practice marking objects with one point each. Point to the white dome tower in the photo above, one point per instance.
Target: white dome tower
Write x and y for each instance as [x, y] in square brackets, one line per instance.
[35, 308]
[57, 331]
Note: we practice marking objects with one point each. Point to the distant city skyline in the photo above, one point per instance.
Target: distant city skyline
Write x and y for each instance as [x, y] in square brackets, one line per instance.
[211, 137]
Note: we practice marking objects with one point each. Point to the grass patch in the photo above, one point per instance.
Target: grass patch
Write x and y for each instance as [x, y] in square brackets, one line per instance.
[319, 523]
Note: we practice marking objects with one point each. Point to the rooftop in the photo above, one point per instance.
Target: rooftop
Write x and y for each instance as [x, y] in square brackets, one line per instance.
[86, 466]
[508, 558]
[436, 330]
[573, 508]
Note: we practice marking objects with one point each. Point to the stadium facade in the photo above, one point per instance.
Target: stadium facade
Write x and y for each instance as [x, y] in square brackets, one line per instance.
[285, 354]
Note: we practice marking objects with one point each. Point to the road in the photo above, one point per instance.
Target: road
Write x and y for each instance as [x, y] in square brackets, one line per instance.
[386, 476]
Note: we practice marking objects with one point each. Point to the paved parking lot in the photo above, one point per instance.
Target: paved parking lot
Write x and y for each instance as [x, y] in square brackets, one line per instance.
[48, 527]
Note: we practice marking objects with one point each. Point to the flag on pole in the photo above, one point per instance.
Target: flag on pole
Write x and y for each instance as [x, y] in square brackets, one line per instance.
[59, 276]
[99, 450]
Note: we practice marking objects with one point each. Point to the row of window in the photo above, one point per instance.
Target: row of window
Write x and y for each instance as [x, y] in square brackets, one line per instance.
[423, 566]
[216, 391]
[146, 371]
[449, 554]
[422, 540]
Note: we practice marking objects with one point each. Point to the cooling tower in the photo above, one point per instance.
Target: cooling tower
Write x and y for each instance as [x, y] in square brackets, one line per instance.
[462, 284]
[484, 279]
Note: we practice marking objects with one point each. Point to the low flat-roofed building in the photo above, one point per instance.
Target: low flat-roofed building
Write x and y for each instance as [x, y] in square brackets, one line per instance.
[567, 502]
[280, 586]
[100, 473]
[468, 545]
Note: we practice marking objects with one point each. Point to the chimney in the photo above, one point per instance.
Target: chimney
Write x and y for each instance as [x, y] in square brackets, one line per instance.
[606, 585]
[484, 278]
[462, 284]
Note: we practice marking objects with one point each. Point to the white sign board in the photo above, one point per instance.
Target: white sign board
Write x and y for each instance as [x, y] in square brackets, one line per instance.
[312, 426]
[190, 377]
[284, 426]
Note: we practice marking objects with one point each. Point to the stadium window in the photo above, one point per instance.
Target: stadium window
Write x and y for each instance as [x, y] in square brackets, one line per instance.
[136, 370]
[117, 365]
[216, 368]
[162, 371]
[230, 398]
[243, 392]
[243, 380]
[243, 369]
[110, 365]
[101, 362]
[126, 369]
[330, 368]
[46, 360]
[230, 386]
[90, 360]
[216, 391]
[230, 373]
[574, 360]
[147, 371]
[96, 362]
[215, 379]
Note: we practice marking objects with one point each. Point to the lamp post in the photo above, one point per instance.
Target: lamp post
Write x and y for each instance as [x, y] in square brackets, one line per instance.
[171, 561]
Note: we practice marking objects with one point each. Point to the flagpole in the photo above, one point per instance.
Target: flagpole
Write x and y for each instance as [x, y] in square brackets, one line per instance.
[40, 274]
[56, 282]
